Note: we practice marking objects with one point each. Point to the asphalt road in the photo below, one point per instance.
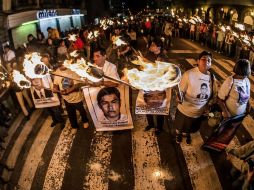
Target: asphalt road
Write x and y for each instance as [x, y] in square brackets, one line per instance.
[41, 157]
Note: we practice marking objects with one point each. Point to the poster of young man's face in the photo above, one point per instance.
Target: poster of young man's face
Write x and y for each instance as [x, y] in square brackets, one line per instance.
[153, 102]
[42, 93]
[109, 107]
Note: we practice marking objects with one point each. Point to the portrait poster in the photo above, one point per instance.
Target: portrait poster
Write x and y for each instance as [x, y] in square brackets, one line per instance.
[153, 102]
[42, 94]
[108, 112]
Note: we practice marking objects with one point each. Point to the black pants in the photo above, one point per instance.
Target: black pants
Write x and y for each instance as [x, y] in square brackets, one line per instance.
[71, 111]
[159, 118]
[55, 113]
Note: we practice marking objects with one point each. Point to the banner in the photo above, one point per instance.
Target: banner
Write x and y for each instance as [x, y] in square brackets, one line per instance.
[42, 93]
[109, 107]
[153, 102]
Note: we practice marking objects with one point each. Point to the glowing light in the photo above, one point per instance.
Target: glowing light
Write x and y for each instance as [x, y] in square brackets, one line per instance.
[156, 76]
[74, 54]
[82, 68]
[235, 34]
[93, 34]
[118, 42]
[34, 67]
[157, 174]
[72, 37]
[240, 26]
[223, 28]
[20, 80]
[131, 17]
[231, 12]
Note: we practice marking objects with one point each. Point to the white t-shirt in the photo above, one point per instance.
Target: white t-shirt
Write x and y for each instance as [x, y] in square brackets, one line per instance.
[65, 83]
[196, 88]
[110, 69]
[238, 96]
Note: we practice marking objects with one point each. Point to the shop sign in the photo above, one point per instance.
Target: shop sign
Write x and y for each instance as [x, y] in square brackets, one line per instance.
[46, 14]
[75, 12]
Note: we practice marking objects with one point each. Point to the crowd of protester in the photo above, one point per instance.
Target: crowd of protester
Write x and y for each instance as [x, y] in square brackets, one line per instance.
[150, 36]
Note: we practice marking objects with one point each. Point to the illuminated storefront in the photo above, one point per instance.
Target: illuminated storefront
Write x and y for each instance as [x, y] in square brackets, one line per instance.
[22, 24]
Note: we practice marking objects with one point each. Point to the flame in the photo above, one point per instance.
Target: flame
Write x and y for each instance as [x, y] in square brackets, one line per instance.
[2, 76]
[228, 28]
[21, 80]
[118, 42]
[74, 54]
[240, 26]
[235, 34]
[156, 76]
[34, 67]
[105, 23]
[81, 67]
[223, 28]
[72, 37]
[93, 34]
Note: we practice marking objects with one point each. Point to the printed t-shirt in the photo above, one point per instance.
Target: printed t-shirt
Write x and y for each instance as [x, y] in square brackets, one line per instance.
[238, 96]
[196, 87]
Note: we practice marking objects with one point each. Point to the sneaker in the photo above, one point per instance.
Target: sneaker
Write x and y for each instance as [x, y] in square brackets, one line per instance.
[188, 140]
[148, 127]
[86, 125]
[73, 131]
[179, 138]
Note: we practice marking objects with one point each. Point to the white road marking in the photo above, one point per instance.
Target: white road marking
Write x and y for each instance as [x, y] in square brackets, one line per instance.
[201, 169]
[98, 166]
[58, 162]
[146, 158]
[34, 156]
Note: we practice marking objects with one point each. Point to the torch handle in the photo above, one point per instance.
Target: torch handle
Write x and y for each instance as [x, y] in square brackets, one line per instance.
[118, 80]
[179, 94]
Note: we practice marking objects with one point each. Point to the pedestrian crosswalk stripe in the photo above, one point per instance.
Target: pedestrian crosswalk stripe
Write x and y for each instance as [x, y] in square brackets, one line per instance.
[201, 169]
[11, 132]
[19, 142]
[98, 165]
[146, 158]
[193, 62]
[12, 158]
[34, 156]
[224, 64]
[191, 44]
[248, 125]
[58, 162]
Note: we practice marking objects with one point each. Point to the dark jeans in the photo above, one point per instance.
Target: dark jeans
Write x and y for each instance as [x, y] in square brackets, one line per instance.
[71, 111]
[159, 118]
[55, 113]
